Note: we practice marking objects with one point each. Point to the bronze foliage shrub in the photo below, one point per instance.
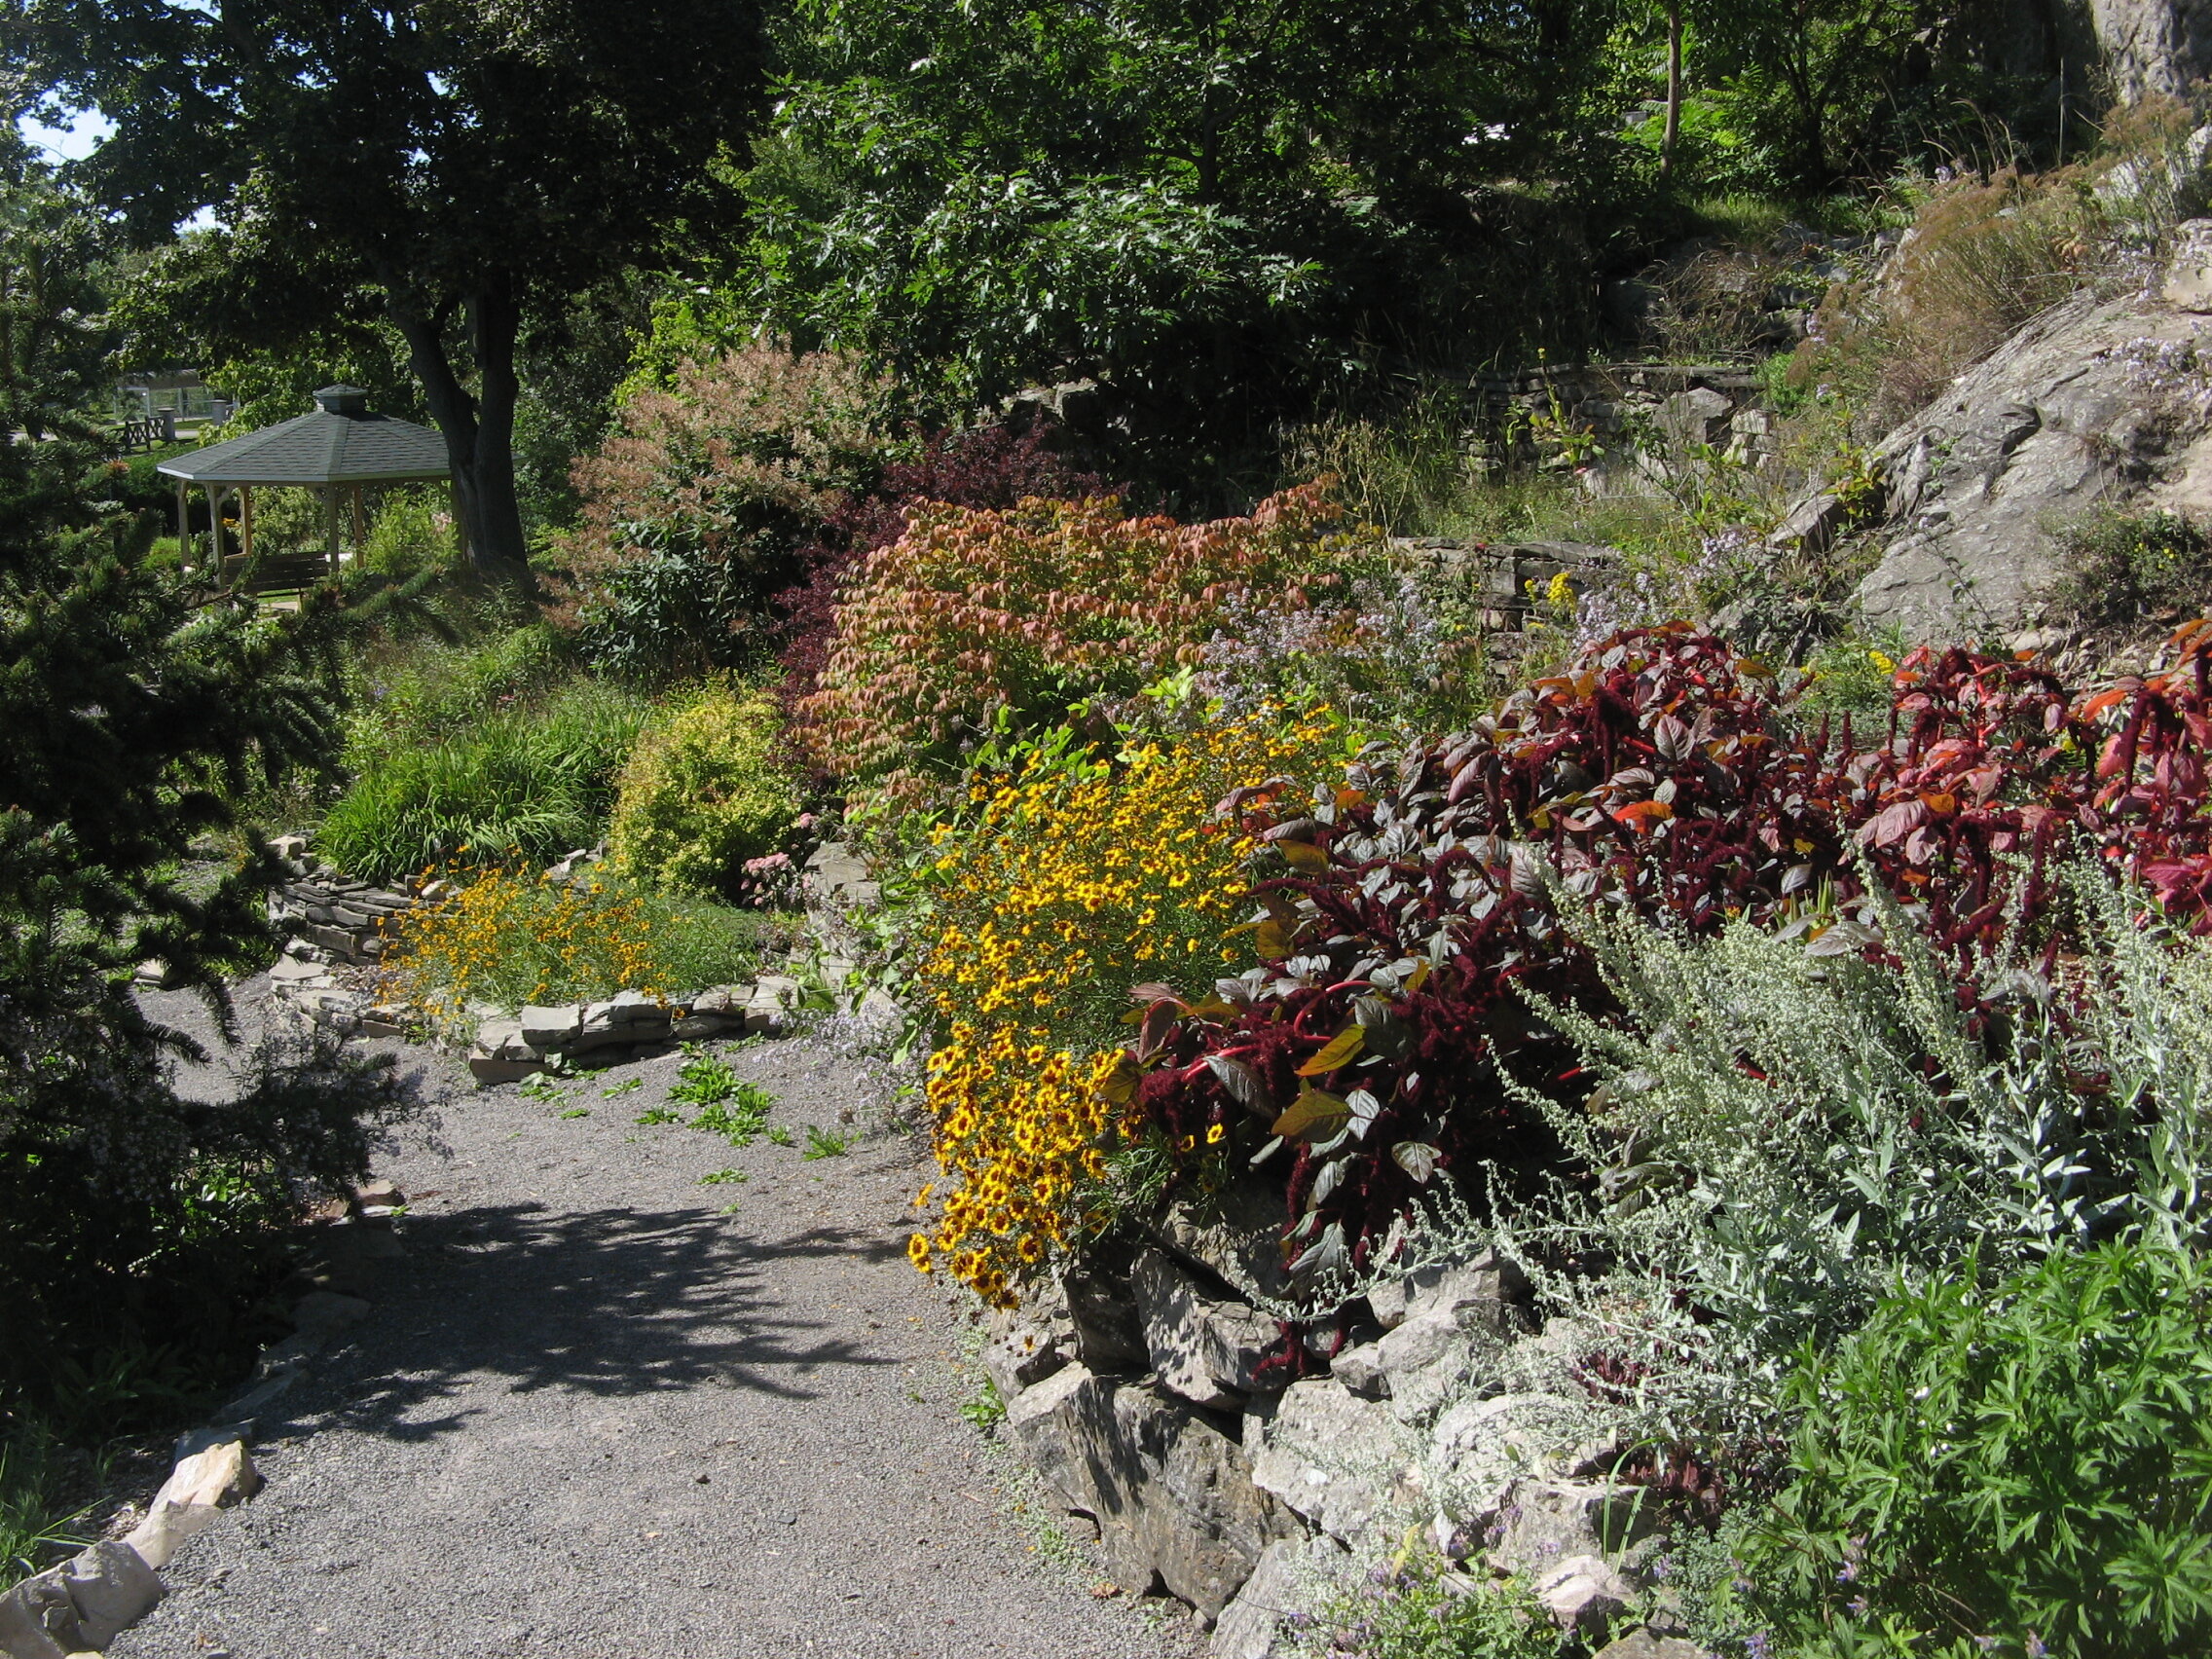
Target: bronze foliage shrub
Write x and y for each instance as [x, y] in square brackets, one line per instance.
[1023, 615]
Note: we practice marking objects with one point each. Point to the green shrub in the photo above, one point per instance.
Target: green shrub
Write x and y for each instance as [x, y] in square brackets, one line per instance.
[530, 784]
[695, 507]
[1780, 1128]
[2118, 569]
[412, 532]
[703, 795]
[2013, 1471]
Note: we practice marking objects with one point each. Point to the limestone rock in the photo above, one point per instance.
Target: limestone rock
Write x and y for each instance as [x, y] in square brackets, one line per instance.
[187, 1504]
[1450, 1327]
[1108, 1335]
[1235, 1234]
[1810, 525]
[1584, 1595]
[772, 1002]
[1202, 1348]
[1282, 1584]
[1172, 1494]
[1033, 1417]
[628, 1017]
[1649, 1644]
[556, 1027]
[1693, 417]
[1480, 1447]
[2151, 46]
[2187, 281]
[112, 1588]
[1360, 1369]
[1542, 1523]
[38, 1620]
[1026, 1354]
[1487, 1278]
[2065, 417]
[1337, 1460]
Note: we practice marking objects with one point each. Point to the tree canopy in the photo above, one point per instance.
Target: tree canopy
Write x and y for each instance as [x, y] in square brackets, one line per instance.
[460, 169]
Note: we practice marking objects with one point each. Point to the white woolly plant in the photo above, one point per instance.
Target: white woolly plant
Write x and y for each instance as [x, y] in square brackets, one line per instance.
[1779, 1133]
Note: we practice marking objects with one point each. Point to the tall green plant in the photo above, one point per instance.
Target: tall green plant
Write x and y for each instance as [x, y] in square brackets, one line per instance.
[529, 783]
[2022, 1469]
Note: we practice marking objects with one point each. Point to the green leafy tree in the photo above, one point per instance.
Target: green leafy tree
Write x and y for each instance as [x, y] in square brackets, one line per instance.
[1200, 201]
[460, 170]
[1815, 83]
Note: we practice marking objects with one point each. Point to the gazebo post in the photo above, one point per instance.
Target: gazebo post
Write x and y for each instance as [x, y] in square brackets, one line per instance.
[330, 522]
[245, 521]
[183, 525]
[360, 523]
[459, 524]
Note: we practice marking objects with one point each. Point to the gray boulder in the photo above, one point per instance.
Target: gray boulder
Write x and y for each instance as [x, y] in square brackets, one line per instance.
[38, 1620]
[1235, 1234]
[1543, 1523]
[1284, 1583]
[111, 1587]
[1649, 1644]
[1204, 1349]
[1341, 1461]
[1172, 1495]
[1025, 1353]
[1584, 1595]
[1102, 1311]
[556, 1027]
[2072, 413]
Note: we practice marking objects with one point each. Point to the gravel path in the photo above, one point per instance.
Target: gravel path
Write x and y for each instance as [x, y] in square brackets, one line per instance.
[592, 1414]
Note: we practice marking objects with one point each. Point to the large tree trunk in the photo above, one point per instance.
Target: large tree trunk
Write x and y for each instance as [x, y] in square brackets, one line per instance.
[479, 429]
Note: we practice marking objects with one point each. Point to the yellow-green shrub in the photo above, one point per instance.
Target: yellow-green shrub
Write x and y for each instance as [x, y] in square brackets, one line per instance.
[702, 794]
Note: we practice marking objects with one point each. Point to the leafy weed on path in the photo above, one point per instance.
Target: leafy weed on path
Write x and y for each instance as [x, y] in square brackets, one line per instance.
[727, 1104]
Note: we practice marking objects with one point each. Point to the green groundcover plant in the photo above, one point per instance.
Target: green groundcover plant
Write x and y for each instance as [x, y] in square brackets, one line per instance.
[2020, 1470]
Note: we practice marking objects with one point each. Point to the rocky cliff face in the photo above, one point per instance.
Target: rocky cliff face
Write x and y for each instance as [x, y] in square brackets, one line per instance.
[2100, 403]
[2154, 46]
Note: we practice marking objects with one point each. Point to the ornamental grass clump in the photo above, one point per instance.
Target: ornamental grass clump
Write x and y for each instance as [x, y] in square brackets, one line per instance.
[1063, 885]
[975, 616]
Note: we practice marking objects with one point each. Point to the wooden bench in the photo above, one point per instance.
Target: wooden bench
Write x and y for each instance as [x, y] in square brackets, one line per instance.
[275, 573]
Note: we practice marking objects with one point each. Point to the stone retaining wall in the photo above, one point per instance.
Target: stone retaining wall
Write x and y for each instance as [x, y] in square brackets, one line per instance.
[350, 919]
[1141, 1390]
[1668, 407]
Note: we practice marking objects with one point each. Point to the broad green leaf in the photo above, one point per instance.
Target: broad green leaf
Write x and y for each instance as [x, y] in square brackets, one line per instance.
[1339, 1050]
[1313, 1109]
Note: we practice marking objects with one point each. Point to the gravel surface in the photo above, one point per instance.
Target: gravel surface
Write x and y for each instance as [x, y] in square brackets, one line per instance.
[592, 1414]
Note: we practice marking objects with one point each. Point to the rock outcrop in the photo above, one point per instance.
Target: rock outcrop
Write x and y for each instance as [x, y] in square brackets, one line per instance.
[2100, 403]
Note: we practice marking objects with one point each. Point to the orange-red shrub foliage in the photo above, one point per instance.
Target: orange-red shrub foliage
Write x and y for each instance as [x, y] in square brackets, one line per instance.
[1036, 610]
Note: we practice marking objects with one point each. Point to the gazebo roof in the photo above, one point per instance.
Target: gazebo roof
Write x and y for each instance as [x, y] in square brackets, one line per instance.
[339, 443]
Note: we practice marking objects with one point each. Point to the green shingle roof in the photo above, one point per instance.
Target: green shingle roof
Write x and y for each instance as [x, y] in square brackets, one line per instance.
[340, 443]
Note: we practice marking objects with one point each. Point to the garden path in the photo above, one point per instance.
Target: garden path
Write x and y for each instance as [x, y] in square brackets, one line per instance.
[591, 1413]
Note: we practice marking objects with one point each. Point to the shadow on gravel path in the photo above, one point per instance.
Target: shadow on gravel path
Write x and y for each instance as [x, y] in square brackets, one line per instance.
[628, 1392]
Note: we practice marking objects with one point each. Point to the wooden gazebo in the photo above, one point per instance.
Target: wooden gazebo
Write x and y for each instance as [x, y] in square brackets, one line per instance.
[335, 450]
